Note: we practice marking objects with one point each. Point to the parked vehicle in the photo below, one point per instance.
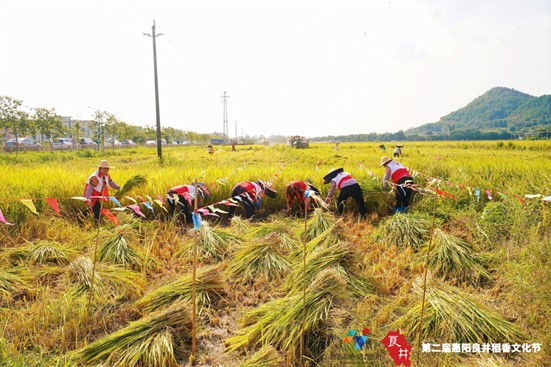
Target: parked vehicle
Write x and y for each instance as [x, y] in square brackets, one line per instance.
[87, 141]
[21, 142]
[111, 142]
[128, 142]
[154, 142]
[64, 141]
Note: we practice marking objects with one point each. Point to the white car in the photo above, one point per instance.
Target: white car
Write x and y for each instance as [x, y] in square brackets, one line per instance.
[112, 142]
[64, 141]
[154, 142]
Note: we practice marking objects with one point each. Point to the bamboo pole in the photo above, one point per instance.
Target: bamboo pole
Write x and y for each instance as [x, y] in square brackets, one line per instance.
[425, 280]
[306, 202]
[193, 285]
[95, 257]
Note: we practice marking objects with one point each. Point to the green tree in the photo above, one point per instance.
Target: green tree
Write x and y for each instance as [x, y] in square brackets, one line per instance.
[114, 128]
[13, 118]
[48, 123]
[76, 132]
[98, 125]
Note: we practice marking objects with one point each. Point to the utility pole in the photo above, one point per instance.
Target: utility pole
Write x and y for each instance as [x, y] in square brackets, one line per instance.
[225, 127]
[158, 113]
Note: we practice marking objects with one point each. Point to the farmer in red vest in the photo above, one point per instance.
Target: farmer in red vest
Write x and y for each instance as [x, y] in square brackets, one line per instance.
[348, 187]
[296, 190]
[183, 196]
[401, 178]
[97, 186]
[250, 194]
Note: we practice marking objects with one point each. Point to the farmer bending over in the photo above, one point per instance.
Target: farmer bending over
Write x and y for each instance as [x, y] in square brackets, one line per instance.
[348, 187]
[186, 198]
[250, 195]
[296, 190]
[401, 178]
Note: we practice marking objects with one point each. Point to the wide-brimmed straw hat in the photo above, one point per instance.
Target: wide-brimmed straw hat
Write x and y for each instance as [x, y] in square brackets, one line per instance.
[384, 160]
[104, 164]
[268, 189]
[332, 174]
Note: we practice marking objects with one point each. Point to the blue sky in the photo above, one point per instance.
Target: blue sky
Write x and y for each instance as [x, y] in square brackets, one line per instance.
[312, 68]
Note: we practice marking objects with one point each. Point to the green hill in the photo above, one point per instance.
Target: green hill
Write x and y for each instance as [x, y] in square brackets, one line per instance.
[500, 110]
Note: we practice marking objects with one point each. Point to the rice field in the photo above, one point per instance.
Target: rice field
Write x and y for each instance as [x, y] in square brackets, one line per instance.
[75, 294]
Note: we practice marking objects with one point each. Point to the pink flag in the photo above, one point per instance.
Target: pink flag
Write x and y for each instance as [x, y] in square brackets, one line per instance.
[489, 194]
[3, 220]
[53, 203]
[229, 203]
[203, 211]
[136, 209]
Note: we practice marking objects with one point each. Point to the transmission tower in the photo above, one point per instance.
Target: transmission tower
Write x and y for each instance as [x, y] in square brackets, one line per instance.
[225, 127]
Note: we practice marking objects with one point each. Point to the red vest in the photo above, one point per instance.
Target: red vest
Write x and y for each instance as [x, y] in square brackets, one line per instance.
[397, 171]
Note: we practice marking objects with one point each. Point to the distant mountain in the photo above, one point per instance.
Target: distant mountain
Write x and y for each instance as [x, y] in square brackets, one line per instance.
[499, 110]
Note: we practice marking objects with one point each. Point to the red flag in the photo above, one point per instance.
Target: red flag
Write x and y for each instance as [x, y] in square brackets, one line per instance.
[448, 195]
[519, 199]
[110, 216]
[53, 203]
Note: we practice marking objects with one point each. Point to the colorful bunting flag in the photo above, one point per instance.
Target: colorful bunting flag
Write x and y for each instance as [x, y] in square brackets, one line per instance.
[53, 204]
[489, 194]
[213, 209]
[203, 211]
[114, 199]
[229, 202]
[136, 209]
[81, 198]
[106, 213]
[160, 203]
[29, 204]
[519, 199]
[131, 199]
[3, 220]
[197, 221]
[148, 206]
[121, 209]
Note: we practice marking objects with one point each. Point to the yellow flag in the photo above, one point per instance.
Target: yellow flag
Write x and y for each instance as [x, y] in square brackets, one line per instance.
[29, 204]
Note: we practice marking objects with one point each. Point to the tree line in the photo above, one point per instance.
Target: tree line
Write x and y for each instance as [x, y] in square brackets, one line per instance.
[48, 124]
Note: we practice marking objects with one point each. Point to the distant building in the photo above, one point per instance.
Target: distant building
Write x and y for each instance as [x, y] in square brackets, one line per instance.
[85, 130]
